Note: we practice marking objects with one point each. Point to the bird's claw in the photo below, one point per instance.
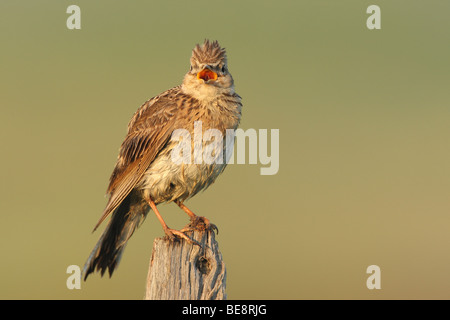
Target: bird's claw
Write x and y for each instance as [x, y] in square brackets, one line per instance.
[201, 223]
[172, 234]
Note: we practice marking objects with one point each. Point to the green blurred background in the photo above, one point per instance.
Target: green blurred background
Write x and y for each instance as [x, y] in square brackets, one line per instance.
[364, 120]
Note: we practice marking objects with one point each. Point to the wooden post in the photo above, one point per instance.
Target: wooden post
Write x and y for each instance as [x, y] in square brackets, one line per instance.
[180, 270]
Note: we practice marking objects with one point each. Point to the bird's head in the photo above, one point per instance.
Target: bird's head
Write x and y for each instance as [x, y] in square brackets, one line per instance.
[208, 73]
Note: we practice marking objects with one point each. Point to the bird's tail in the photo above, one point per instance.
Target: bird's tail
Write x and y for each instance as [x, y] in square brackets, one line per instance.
[109, 248]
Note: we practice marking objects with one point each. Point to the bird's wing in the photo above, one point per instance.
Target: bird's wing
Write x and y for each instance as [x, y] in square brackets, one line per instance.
[148, 132]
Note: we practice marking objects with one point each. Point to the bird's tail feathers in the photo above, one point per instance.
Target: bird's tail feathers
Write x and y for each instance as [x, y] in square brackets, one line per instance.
[109, 248]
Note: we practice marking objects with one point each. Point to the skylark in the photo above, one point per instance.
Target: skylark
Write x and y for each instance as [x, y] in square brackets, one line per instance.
[145, 174]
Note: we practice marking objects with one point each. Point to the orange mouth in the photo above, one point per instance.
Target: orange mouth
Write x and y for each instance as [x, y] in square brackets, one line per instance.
[206, 75]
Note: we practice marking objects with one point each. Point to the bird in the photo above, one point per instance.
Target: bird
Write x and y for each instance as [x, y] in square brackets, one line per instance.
[145, 174]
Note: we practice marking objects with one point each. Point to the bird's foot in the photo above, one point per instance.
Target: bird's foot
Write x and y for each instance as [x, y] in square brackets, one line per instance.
[172, 234]
[202, 224]
[197, 222]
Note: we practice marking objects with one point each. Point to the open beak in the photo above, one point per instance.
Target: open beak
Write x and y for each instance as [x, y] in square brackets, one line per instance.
[206, 74]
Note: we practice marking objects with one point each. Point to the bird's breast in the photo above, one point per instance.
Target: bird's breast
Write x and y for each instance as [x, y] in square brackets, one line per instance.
[193, 159]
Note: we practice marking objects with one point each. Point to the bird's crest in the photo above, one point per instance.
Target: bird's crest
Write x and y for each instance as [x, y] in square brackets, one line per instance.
[209, 52]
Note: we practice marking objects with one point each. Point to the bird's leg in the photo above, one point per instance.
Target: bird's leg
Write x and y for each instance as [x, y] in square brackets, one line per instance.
[195, 220]
[171, 233]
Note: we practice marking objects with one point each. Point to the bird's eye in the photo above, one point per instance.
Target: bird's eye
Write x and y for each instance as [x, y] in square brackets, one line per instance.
[223, 69]
[190, 70]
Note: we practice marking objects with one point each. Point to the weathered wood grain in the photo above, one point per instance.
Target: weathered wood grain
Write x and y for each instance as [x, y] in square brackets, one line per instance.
[180, 270]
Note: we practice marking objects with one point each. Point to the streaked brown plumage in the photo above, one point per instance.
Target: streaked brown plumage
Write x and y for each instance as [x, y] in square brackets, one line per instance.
[145, 174]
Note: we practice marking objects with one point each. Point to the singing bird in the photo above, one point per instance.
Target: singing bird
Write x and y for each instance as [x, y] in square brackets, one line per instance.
[145, 174]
